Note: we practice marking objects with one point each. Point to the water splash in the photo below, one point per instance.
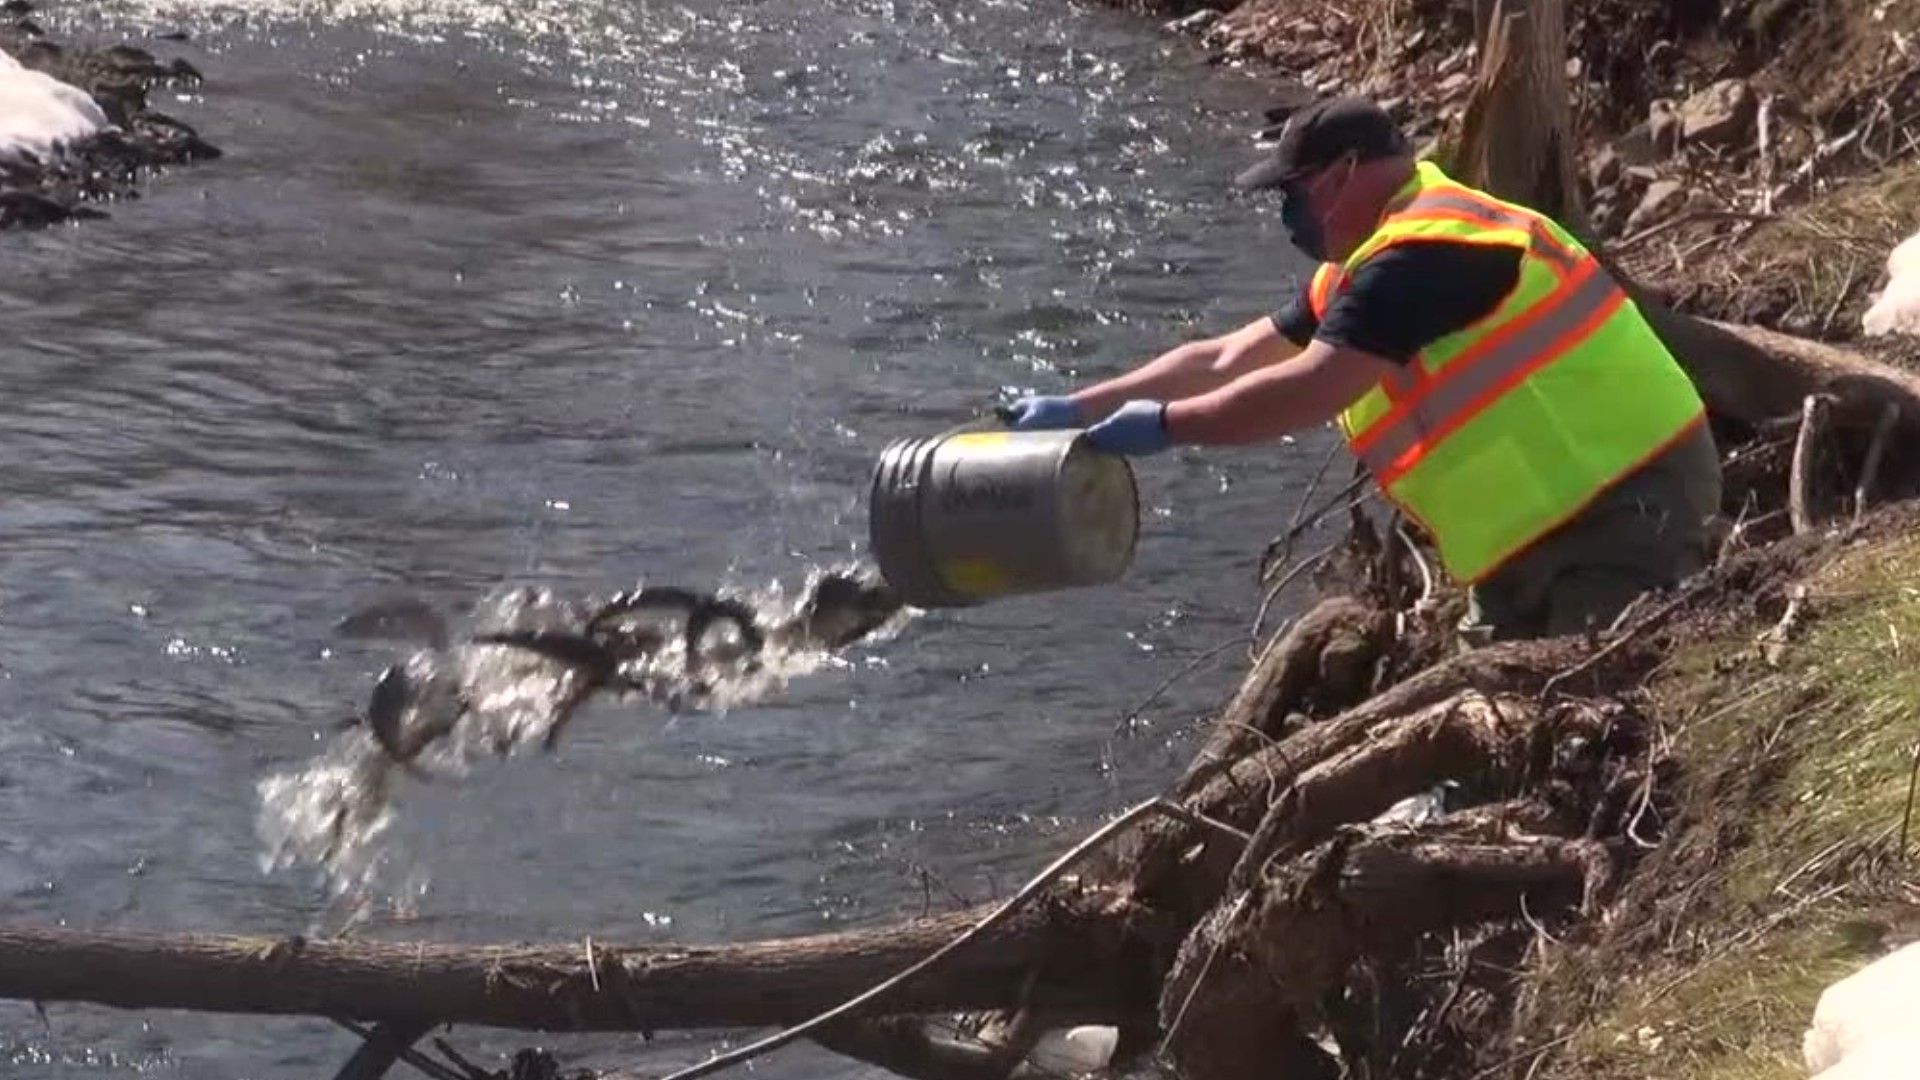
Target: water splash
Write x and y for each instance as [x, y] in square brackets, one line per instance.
[482, 701]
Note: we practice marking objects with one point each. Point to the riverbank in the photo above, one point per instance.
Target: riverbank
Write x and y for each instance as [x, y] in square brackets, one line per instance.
[1753, 163]
[113, 146]
[1749, 161]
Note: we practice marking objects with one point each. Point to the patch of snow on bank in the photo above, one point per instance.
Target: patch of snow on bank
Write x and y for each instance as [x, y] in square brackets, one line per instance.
[40, 115]
[1897, 311]
[1864, 1025]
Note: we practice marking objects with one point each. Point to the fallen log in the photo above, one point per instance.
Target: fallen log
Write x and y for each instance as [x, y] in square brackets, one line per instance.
[1079, 943]
[1754, 375]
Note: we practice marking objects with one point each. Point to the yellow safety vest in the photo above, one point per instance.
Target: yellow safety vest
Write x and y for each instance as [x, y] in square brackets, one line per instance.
[1499, 432]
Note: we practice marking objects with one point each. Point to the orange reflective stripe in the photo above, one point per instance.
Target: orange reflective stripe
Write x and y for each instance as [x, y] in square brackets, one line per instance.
[1444, 205]
[1320, 290]
[1474, 381]
[1519, 329]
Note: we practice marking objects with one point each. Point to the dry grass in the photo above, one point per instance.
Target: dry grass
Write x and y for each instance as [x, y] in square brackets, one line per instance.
[1786, 873]
[1814, 270]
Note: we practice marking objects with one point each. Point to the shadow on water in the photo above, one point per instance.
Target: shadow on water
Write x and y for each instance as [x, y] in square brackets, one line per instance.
[573, 294]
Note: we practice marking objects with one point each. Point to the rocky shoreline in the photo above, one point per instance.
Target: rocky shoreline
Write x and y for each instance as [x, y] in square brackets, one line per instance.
[109, 164]
[1750, 161]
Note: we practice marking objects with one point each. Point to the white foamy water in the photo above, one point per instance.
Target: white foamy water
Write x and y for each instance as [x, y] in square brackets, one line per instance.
[336, 813]
[41, 116]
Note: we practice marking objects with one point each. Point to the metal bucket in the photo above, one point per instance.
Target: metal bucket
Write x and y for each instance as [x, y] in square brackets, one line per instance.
[962, 518]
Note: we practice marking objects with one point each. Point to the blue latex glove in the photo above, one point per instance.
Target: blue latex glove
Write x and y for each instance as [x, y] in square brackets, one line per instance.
[1042, 413]
[1138, 427]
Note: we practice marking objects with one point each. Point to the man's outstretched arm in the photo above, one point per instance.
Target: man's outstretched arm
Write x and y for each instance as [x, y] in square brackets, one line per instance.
[1265, 404]
[1195, 368]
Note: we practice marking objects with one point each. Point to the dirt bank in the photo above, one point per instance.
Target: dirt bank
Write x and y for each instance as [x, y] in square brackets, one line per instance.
[1754, 160]
[1747, 161]
[110, 164]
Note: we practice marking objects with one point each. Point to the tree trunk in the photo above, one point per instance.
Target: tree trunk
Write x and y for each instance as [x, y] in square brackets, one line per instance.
[564, 987]
[1517, 135]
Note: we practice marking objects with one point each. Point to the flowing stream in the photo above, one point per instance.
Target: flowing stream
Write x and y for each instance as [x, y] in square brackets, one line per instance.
[575, 294]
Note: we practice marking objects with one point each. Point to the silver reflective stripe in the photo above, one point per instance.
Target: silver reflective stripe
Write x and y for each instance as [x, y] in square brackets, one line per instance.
[1450, 396]
[1542, 242]
[1445, 200]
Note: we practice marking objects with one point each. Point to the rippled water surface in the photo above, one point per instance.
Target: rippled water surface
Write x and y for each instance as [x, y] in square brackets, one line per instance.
[579, 293]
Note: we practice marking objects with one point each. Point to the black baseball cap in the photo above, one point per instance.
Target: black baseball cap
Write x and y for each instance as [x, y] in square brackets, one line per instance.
[1322, 133]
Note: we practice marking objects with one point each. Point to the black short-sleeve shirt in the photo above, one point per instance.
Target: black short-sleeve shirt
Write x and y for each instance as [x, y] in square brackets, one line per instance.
[1406, 297]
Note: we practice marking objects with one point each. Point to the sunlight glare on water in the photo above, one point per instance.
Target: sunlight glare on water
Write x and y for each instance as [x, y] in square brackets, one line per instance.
[569, 295]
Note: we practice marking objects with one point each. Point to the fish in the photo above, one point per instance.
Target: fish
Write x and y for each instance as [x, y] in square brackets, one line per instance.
[416, 703]
[400, 619]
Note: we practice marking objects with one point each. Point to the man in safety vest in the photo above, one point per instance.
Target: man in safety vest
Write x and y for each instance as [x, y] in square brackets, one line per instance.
[1496, 381]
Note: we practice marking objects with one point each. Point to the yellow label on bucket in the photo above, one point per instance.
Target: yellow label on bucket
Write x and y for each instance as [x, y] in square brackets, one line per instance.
[977, 578]
[979, 438]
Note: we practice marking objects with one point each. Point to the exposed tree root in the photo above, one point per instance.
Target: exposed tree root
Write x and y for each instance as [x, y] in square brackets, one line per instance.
[1326, 662]
[1289, 944]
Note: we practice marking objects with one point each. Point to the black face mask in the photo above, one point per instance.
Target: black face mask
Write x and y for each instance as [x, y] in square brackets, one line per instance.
[1303, 228]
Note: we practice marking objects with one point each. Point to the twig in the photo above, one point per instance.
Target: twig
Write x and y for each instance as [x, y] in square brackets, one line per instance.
[1313, 485]
[1847, 287]
[1526, 1055]
[1738, 534]
[1280, 548]
[1646, 802]
[1200, 977]
[1266, 602]
[474, 1072]
[1753, 933]
[1773, 642]
[1813, 413]
[1167, 683]
[1913, 785]
[1652, 232]
[402, 1038]
[1201, 821]
[1758, 447]
[999, 915]
[1658, 615]
[1420, 563]
[1870, 469]
[1820, 154]
[1765, 124]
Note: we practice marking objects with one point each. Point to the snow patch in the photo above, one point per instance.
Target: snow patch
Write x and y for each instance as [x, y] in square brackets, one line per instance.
[1897, 311]
[1864, 1026]
[40, 116]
